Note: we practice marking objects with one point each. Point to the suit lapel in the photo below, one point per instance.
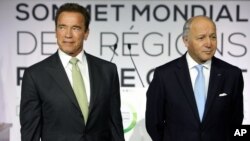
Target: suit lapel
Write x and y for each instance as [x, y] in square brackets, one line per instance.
[94, 81]
[60, 77]
[184, 79]
[216, 76]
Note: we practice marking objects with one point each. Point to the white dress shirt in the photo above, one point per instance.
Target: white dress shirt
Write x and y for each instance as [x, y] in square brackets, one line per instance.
[193, 72]
[83, 66]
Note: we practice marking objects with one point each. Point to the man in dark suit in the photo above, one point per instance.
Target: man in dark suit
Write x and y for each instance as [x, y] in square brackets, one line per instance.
[50, 108]
[184, 104]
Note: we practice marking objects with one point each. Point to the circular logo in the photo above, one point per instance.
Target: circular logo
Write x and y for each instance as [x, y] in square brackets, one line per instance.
[129, 117]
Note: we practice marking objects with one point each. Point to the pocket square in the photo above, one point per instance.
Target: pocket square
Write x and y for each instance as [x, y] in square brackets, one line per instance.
[223, 94]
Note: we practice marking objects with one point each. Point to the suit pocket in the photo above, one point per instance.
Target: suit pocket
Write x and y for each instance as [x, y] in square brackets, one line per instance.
[222, 104]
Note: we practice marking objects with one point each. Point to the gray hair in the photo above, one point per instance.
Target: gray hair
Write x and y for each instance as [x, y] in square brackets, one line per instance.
[186, 27]
[188, 23]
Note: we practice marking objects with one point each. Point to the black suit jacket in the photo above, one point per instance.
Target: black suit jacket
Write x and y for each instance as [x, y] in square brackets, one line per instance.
[171, 111]
[49, 109]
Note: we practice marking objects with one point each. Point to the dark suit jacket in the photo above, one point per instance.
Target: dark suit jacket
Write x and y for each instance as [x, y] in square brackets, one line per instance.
[49, 109]
[171, 111]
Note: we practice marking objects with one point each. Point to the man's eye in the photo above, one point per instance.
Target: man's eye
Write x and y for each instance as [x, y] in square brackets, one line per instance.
[61, 27]
[76, 28]
[200, 38]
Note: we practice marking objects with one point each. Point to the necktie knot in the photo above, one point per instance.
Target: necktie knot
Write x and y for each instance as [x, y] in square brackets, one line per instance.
[199, 69]
[73, 61]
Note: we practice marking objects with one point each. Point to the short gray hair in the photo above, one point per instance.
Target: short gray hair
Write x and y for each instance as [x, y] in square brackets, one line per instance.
[186, 27]
[188, 23]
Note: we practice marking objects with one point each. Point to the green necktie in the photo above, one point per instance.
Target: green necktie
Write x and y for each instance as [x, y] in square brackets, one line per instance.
[79, 88]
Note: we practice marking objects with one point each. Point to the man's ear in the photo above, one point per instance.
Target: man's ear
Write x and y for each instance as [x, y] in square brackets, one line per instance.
[185, 40]
[86, 34]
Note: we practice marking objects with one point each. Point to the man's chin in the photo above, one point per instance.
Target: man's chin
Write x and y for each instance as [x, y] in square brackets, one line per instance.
[69, 52]
[205, 59]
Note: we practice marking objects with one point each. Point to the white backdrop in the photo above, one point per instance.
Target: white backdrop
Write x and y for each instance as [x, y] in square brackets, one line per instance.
[152, 28]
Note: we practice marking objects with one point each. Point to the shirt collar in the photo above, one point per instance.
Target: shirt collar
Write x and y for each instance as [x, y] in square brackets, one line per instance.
[65, 57]
[192, 63]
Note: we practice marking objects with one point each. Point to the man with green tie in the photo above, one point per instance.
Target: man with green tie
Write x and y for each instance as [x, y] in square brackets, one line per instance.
[71, 95]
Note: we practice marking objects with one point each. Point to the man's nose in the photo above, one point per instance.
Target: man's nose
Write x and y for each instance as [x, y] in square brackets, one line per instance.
[68, 33]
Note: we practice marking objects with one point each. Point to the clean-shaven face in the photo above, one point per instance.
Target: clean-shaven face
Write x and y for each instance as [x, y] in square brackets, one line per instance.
[201, 40]
[71, 32]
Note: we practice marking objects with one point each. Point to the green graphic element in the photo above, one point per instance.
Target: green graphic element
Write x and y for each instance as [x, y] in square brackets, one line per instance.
[133, 121]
